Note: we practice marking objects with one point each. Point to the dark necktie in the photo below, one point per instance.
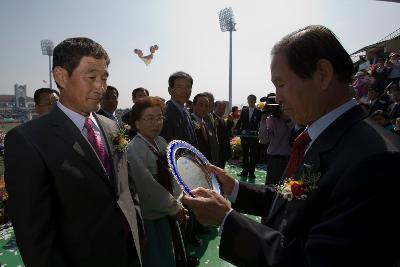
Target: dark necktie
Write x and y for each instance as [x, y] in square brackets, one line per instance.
[204, 131]
[189, 126]
[98, 145]
[297, 154]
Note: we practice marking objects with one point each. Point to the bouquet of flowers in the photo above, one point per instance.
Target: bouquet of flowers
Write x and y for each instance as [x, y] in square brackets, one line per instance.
[236, 147]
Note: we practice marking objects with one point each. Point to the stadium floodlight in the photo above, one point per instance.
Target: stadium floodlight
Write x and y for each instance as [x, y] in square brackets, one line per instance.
[227, 23]
[47, 50]
[227, 20]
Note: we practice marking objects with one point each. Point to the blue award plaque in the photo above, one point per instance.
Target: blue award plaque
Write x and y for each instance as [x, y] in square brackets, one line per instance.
[186, 165]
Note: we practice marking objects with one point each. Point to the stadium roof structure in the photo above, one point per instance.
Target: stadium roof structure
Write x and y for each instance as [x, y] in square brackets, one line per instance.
[392, 36]
[381, 43]
[395, 1]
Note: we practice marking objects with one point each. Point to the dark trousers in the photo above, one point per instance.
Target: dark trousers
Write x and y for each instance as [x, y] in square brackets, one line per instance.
[221, 163]
[263, 158]
[275, 168]
[249, 150]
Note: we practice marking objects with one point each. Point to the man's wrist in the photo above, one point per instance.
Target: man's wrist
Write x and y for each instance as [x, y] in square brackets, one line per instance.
[223, 221]
[233, 195]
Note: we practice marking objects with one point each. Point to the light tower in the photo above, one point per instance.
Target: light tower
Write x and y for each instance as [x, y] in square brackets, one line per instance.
[227, 23]
[47, 50]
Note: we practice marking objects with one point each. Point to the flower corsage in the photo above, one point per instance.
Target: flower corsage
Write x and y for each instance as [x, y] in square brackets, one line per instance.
[299, 189]
[120, 142]
[196, 125]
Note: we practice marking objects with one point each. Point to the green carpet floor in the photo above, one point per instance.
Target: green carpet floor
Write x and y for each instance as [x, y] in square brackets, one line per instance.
[207, 253]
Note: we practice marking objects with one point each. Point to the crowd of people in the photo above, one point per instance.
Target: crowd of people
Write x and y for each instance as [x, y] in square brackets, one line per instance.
[376, 86]
[96, 188]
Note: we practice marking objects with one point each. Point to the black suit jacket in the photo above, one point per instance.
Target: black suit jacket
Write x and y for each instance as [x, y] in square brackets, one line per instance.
[348, 220]
[105, 114]
[223, 131]
[176, 126]
[203, 144]
[249, 125]
[214, 142]
[65, 209]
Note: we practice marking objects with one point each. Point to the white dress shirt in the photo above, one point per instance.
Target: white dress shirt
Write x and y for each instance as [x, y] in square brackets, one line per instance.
[79, 122]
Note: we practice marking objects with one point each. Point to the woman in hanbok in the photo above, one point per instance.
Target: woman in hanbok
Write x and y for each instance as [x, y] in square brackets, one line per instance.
[159, 193]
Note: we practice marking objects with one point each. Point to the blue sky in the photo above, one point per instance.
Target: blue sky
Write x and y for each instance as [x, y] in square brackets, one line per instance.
[187, 33]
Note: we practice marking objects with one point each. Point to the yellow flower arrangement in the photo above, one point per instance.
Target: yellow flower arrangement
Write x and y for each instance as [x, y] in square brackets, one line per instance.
[261, 105]
[236, 146]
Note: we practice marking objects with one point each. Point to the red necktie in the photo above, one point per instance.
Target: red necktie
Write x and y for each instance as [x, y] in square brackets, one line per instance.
[97, 145]
[297, 154]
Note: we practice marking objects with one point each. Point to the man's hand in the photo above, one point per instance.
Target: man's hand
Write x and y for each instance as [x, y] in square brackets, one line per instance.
[208, 206]
[227, 182]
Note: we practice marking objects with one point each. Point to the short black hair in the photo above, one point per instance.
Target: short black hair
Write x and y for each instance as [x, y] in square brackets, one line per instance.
[112, 88]
[305, 47]
[196, 97]
[219, 101]
[253, 96]
[209, 95]
[136, 90]
[68, 53]
[38, 92]
[179, 75]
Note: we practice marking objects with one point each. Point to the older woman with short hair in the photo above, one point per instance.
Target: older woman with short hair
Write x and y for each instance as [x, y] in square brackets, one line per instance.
[159, 194]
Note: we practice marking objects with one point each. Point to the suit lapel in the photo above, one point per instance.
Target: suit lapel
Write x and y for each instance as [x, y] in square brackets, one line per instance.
[64, 128]
[107, 130]
[324, 142]
[328, 138]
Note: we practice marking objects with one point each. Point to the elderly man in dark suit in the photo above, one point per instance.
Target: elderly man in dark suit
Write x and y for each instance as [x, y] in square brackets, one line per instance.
[178, 124]
[209, 119]
[335, 205]
[202, 129]
[44, 99]
[248, 122]
[224, 130]
[137, 93]
[70, 203]
[109, 103]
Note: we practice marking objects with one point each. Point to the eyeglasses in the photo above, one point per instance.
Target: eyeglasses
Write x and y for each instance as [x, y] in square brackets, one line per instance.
[153, 119]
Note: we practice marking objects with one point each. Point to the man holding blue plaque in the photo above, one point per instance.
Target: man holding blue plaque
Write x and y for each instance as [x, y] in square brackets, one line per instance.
[335, 203]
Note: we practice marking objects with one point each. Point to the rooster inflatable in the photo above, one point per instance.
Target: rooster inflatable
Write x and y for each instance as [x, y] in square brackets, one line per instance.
[148, 58]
